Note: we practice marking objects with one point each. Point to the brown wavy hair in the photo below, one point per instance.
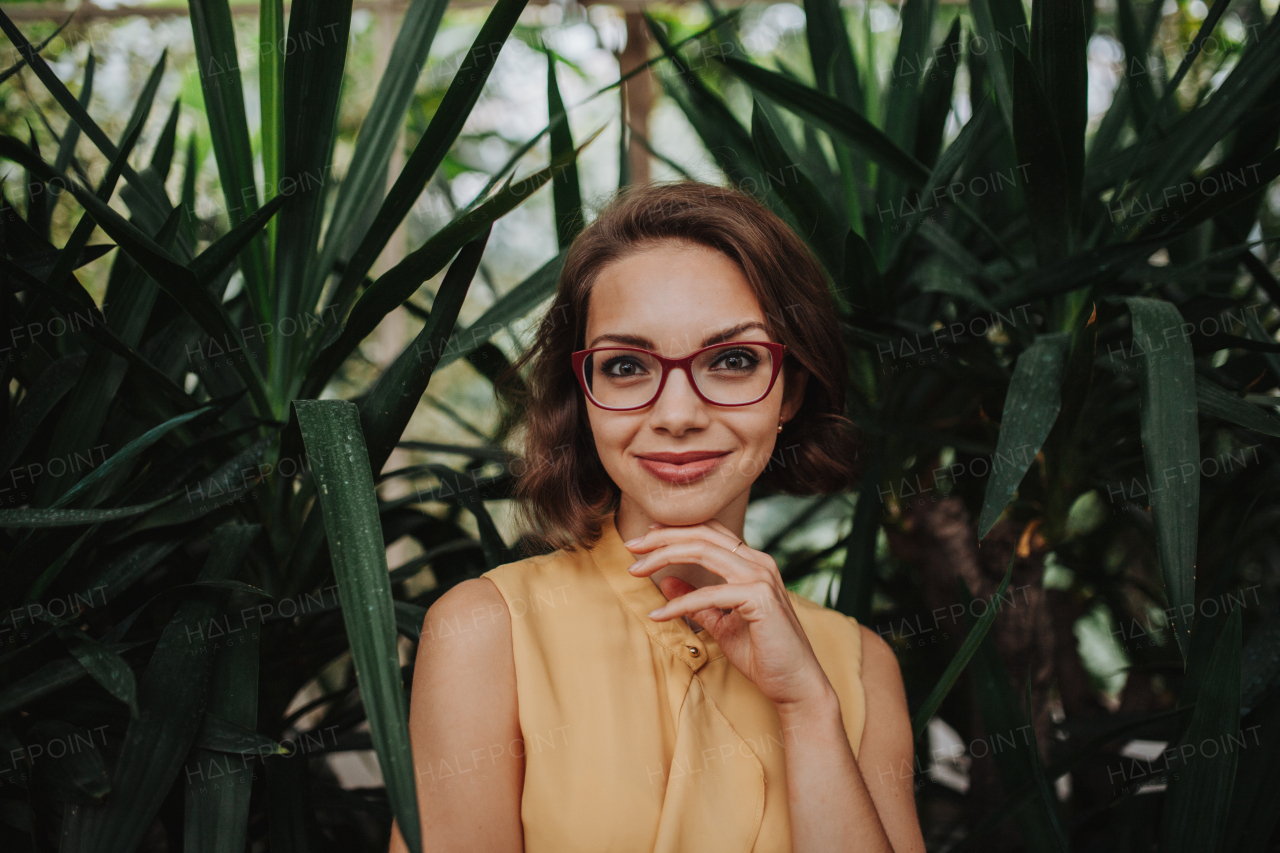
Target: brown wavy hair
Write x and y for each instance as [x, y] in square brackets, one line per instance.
[561, 489]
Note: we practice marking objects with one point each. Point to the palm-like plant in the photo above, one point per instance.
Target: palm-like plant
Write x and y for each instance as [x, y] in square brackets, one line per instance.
[194, 546]
[1080, 320]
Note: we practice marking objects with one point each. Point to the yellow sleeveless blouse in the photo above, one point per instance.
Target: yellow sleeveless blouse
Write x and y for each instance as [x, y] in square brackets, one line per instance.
[640, 736]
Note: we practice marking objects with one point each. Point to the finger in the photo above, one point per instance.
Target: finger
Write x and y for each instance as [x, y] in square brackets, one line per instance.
[721, 527]
[660, 536]
[753, 601]
[673, 587]
[731, 567]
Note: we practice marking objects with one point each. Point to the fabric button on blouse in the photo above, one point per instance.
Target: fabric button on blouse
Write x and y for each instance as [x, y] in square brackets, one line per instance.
[640, 736]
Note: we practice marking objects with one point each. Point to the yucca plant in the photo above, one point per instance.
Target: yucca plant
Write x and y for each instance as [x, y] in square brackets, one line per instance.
[225, 546]
[1064, 361]
[176, 568]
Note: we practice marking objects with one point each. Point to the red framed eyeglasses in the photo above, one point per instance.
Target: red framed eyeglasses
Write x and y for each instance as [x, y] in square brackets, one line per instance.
[736, 373]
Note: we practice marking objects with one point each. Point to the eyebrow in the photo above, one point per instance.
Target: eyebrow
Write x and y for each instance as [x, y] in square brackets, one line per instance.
[645, 343]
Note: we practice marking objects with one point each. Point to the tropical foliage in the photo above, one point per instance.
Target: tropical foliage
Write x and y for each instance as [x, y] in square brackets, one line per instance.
[1063, 358]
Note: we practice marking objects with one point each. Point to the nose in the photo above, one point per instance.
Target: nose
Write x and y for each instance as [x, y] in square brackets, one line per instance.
[678, 408]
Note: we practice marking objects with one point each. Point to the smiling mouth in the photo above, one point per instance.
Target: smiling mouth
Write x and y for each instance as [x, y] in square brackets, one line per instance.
[682, 467]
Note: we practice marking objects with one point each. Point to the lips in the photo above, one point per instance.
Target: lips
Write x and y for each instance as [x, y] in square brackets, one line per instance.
[682, 467]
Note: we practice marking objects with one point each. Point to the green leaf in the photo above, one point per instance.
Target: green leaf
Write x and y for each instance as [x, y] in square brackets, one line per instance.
[50, 677]
[403, 280]
[723, 135]
[567, 198]
[151, 190]
[271, 29]
[958, 663]
[1039, 147]
[331, 433]
[386, 410]
[409, 619]
[233, 478]
[429, 153]
[74, 517]
[380, 130]
[520, 301]
[831, 54]
[833, 117]
[1170, 447]
[219, 71]
[1214, 400]
[1030, 409]
[1138, 67]
[1019, 800]
[1196, 134]
[1001, 27]
[819, 223]
[104, 665]
[1254, 809]
[312, 94]
[1059, 56]
[936, 95]
[1256, 331]
[174, 278]
[218, 734]
[975, 135]
[129, 302]
[213, 261]
[1194, 817]
[78, 776]
[220, 772]
[123, 457]
[858, 574]
[50, 386]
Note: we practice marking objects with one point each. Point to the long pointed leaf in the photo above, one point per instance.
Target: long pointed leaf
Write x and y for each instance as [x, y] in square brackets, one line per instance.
[1199, 798]
[391, 402]
[1030, 409]
[400, 282]
[958, 663]
[380, 130]
[331, 432]
[442, 131]
[1171, 448]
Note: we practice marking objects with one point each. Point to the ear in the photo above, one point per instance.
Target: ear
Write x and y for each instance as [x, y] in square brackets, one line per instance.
[793, 385]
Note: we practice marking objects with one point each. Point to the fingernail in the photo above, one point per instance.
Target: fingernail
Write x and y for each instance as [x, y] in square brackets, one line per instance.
[651, 526]
[653, 613]
[633, 542]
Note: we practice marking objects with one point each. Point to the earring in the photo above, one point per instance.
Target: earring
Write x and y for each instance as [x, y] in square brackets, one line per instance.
[779, 426]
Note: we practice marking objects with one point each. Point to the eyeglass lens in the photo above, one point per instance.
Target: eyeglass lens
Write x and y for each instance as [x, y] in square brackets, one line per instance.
[620, 378]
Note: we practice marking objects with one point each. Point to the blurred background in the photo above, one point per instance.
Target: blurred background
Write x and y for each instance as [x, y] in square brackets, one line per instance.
[1050, 228]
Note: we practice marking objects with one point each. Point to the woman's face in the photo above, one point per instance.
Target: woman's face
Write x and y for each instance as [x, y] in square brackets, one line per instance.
[673, 299]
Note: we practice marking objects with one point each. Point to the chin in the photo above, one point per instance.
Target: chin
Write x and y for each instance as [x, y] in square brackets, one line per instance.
[685, 510]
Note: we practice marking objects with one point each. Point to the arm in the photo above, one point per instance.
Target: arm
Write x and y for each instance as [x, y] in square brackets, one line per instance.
[464, 726]
[837, 801]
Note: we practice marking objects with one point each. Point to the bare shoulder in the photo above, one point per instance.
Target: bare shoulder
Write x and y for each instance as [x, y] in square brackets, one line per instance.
[880, 670]
[464, 724]
[466, 642]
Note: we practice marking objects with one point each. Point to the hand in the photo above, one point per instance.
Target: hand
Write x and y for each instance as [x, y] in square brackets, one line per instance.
[750, 616]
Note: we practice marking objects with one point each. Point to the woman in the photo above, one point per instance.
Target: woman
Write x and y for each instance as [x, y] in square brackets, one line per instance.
[587, 700]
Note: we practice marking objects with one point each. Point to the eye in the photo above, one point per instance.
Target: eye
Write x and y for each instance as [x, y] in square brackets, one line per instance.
[622, 365]
[736, 360]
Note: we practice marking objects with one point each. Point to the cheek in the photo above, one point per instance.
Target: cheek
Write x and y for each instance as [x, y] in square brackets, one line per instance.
[611, 436]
